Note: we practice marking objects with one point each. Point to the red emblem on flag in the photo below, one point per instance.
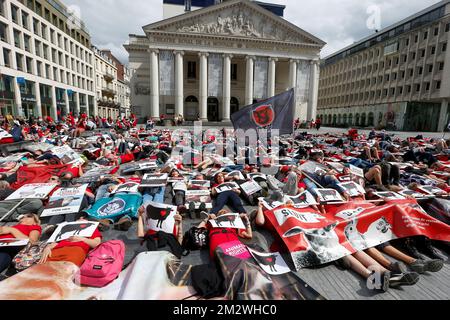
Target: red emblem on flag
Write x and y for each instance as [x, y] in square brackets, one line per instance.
[264, 115]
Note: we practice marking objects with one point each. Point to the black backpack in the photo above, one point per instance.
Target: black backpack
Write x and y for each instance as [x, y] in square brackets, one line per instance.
[195, 239]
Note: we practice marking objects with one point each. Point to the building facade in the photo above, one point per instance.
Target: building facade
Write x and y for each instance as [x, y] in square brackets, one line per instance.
[46, 65]
[123, 85]
[211, 62]
[106, 85]
[398, 78]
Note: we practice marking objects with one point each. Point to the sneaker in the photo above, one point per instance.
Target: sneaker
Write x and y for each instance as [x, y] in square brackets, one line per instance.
[411, 250]
[104, 225]
[398, 267]
[124, 224]
[427, 248]
[384, 281]
[202, 207]
[192, 210]
[403, 279]
[422, 266]
[48, 230]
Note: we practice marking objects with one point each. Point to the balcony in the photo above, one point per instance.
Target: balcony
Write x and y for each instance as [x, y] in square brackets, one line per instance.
[108, 92]
[108, 76]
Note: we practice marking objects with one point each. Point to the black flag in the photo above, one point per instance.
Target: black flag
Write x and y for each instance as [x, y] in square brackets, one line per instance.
[273, 113]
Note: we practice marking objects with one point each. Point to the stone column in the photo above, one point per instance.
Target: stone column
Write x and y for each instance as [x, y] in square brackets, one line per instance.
[313, 90]
[271, 77]
[18, 99]
[66, 100]
[54, 111]
[179, 83]
[249, 79]
[86, 97]
[154, 78]
[226, 87]
[37, 94]
[203, 86]
[77, 104]
[443, 118]
[292, 74]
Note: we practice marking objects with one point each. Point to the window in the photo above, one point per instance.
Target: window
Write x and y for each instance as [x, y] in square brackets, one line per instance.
[7, 57]
[39, 69]
[36, 27]
[17, 41]
[407, 42]
[19, 61]
[45, 50]
[433, 50]
[436, 31]
[25, 20]
[417, 87]
[408, 88]
[44, 31]
[411, 72]
[26, 42]
[444, 47]
[420, 70]
[392, 91]
[438, 85]
[430, 68]
[400, 90]
[427, 88]
[38, 8]
[2, 7]
[29, 64]
[3, 32]
[425, 35]
[441, 66]
[416, 38]
[403, 74]
[422, 53]
[413, 55]
[192, 70]
[447, 27]
[14, 13]
[394, 76]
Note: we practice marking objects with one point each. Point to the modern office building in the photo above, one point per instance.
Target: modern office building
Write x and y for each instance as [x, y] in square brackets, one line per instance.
[106, 85]
[46, 64]
[397, 78]
[208, 63]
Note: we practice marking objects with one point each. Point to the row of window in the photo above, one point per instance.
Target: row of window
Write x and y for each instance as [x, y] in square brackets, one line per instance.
[363, 119]
[380, 94]
[389, 48]
[376, 67]
[21, 17]
[192, 71]
[26, 64]
[382, 79]
[49, 34]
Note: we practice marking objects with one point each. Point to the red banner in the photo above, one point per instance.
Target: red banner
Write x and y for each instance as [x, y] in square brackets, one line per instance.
[39, 174]
[314, 239]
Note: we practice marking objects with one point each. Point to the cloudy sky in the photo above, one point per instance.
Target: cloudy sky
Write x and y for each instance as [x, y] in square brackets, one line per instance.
[337, 22]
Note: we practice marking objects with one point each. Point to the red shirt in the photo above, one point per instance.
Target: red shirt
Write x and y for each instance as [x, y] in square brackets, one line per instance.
[25, 229]
[81, 244]
[218, 236]
[127, 158]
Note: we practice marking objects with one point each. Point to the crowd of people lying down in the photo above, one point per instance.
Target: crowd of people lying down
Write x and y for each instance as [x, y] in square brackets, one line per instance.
[158, 169]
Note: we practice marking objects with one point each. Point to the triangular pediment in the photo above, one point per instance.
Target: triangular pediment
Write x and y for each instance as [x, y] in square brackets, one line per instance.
[235, 18]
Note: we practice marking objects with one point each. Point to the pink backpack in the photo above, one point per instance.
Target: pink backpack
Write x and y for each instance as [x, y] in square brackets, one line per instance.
[102, 265]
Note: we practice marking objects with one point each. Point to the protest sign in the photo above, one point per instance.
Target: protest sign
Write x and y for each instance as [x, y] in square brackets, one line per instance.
[232, 220]
[198, 197]
[227, 186]
[250, 187]
[160, 217]
[271, 263]
[155, 180]
[65, 201]
[66, 230]
[32, 191]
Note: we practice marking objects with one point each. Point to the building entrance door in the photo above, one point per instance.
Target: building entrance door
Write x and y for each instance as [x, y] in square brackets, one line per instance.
[213, 109]
[191, 109]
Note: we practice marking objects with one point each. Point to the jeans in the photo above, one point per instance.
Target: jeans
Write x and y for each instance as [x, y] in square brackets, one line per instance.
[325, 181]
[102, 191]
[229, 169]
[363, 164]
[228, 197]
[179, 198]
[6, 256]
[154, 194]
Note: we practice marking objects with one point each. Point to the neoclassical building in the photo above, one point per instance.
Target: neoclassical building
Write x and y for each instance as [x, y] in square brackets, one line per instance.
[209, 63]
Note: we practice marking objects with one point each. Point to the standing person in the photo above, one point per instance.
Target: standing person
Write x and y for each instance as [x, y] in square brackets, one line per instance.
[313, 124]
[318, 124]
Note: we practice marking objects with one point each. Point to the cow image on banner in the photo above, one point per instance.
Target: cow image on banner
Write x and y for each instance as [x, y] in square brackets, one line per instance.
[160, 217]
[329, 195]
[271, 263]
[66, 230]
[353, 189]
[304, 199]
[32, 191]
[227, 186]
[232, 220]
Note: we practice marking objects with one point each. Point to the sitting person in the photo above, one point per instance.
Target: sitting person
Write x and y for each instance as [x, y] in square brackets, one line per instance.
[74, 249]
[29, 227]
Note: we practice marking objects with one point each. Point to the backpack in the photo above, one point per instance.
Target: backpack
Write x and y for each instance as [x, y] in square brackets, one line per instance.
[29, 256]
[102, 265]
[195, 239]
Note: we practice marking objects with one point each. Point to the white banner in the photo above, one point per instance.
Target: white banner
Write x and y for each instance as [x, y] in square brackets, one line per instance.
[261, 78]
[215, 75]
[166, 73]
[303, 78]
